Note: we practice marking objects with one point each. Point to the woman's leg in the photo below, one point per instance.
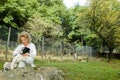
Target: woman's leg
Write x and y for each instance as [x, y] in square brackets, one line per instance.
[21, 64]
[14, 61]
[30, 60]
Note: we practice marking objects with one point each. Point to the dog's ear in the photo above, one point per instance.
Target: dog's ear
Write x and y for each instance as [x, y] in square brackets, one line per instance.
[25, 50]
[28, 49]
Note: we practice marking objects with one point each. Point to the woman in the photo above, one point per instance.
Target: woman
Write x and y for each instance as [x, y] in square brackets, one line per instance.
[24, 40]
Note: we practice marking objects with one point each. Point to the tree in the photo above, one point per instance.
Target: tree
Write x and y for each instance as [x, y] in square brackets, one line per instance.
[15, 13]
[52, 10]
[79, 32]
[39, 27]
[103, 18]
[80, 28]
[47, 20]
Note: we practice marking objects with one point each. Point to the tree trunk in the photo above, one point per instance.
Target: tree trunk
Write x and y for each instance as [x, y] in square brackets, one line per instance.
[52, 45]
[43, 46]
[8, 41]
[61, 48]
[110, 54]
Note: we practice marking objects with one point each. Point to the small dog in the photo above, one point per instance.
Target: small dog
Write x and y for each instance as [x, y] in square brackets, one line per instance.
[19, 57]
[11, 65]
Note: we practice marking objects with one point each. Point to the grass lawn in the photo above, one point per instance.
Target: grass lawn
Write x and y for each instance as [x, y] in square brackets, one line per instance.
[92, 70]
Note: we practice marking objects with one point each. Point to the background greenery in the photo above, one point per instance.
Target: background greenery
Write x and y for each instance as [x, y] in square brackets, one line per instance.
[97, 24]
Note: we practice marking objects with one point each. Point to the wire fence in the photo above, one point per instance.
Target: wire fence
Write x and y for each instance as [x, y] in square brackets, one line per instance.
[49, 47]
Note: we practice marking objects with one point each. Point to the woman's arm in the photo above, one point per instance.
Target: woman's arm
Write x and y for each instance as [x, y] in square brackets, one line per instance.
[17, 51]
[33, 50]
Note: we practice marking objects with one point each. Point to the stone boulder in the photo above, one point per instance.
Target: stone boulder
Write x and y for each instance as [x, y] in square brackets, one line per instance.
[28, 73]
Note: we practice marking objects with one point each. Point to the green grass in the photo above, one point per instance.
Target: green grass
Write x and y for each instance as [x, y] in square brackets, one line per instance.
[87, 70]
[1, 65]
[92, 70]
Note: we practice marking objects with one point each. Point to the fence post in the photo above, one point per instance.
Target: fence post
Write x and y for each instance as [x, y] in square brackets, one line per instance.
[42, 47]
[61, 48]
[52, 45]
[7, 46]
[75, 56]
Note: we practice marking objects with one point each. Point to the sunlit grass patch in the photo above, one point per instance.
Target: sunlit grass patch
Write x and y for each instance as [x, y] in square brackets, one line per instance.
[96, 69]
[87, 70]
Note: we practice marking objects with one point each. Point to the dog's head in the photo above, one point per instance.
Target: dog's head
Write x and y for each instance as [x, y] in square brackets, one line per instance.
[26, 50]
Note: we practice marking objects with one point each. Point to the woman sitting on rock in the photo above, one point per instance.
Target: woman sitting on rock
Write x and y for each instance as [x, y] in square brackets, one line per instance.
[25, 51]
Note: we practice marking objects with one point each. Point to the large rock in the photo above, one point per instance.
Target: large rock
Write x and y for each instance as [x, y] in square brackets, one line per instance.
[41, 73]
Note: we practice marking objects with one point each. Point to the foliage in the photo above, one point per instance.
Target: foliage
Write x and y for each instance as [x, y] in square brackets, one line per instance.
[96, 24]
[47, 20]
[102, 17]
[39, 27]
[105, 21]
[14, 13]
[79, 31]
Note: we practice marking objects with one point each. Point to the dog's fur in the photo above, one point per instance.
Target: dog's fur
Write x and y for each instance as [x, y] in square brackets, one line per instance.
[7, 66]
[25, 50]
[11, 65]
[17, 59]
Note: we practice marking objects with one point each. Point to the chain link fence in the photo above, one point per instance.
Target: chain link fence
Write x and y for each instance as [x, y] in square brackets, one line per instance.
[49, 47]
[53, 48]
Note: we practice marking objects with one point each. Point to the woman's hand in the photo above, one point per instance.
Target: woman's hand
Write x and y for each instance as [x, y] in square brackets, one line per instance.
[26, 54]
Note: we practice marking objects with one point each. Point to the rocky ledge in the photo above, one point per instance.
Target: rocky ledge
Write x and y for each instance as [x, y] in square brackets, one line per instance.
[40, 73]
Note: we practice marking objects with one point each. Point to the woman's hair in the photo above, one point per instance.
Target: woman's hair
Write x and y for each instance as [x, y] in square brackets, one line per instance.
[24, 34]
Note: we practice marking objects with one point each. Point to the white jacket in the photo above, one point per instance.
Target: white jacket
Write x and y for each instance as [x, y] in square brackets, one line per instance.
[19, 48]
